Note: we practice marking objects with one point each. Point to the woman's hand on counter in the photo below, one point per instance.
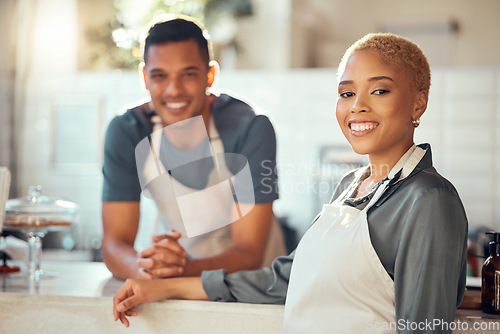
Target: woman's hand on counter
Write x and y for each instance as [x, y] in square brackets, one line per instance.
[135, 292]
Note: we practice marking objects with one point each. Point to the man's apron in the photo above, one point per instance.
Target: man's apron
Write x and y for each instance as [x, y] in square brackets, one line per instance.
[337, 282]
[169, 216]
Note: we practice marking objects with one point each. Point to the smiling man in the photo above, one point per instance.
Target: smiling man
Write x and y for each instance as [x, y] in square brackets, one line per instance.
[178, 72]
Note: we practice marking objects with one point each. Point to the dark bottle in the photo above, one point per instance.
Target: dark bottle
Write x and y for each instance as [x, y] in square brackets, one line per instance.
[490, 285]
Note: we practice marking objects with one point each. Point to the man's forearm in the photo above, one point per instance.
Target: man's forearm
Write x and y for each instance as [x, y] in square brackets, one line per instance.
[121, 259]
[236, 258]
[250, 235]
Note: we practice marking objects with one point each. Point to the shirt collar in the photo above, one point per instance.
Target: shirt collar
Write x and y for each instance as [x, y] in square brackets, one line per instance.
[407, 163]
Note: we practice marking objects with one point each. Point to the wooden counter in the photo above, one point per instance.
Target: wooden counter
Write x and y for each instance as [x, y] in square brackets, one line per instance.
[79, 300]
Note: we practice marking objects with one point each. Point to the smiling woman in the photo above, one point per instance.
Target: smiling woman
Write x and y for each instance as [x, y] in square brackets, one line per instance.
[389, 252]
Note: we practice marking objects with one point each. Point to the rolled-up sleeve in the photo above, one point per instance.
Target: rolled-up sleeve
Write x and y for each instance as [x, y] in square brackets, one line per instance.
[264, 286]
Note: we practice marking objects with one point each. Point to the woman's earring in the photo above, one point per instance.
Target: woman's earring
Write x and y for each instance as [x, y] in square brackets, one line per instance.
[415, 122]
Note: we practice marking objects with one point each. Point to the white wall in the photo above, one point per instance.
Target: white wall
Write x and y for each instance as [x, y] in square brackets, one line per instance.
[463, 119]
[264, 38]
[96, 97]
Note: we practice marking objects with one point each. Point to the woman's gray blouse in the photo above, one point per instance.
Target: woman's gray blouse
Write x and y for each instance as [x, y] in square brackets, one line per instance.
[418, 229]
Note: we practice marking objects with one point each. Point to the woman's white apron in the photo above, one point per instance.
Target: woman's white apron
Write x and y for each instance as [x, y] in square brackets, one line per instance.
[337, 282]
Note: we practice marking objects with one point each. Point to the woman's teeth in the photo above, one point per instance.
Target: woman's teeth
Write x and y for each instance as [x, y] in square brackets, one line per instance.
[363, 126]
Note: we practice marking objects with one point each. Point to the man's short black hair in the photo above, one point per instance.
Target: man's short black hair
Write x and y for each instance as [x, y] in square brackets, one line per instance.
[177, 29]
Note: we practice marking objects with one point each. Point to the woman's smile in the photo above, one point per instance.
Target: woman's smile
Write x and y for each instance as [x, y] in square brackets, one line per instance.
[361, 128]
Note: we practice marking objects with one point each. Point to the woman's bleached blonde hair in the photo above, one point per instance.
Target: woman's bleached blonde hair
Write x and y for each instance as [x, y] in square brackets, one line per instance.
[397, 51]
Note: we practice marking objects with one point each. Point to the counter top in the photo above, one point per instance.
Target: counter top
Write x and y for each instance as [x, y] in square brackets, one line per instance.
[77, 299]
[65, 278]
[22, 313]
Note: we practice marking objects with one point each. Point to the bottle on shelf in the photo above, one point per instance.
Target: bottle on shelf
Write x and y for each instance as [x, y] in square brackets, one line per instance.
[490, 281]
